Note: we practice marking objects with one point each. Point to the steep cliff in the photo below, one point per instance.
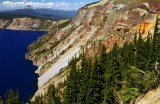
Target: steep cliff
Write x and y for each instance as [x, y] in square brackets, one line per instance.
[103, 21]
[26, 23]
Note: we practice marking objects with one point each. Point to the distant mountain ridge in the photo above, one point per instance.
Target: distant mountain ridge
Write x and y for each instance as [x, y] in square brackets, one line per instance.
[43, 13]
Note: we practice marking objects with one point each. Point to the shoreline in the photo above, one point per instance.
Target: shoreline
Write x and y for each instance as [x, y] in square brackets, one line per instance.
[28, 68]
[22, 30]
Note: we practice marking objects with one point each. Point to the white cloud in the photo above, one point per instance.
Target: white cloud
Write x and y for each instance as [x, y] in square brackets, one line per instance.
[42, 4]
[24, 3]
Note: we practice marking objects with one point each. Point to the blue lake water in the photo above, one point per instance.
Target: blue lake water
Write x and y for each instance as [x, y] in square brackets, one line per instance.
[16, 72]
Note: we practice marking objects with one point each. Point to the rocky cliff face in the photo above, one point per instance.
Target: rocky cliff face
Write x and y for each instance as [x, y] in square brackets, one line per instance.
[4, 23]
[104, 21]
[26, 24]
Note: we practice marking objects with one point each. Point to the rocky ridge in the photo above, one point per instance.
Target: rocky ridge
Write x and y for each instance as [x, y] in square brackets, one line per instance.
[26, 24]
[105, 21]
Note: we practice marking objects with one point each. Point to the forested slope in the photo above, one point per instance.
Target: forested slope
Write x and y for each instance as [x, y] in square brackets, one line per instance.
[117, 77]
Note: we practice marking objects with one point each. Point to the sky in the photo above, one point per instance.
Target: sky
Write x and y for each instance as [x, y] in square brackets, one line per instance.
[54, 4]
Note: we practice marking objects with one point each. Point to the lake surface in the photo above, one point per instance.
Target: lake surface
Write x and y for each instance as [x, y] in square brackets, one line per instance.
[16, 72]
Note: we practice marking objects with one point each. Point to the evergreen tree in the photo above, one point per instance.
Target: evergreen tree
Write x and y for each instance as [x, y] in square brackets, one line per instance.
[85, 76]
[53, 97]
[155, 46]
[37, 100]
[147, 53]
[140, 61]
[103, 58]
[72, 85]
[12, 98]
[103, 61]
[155, 59]
[115, 66]
[29, 100]
[95, 87]
[109, 83]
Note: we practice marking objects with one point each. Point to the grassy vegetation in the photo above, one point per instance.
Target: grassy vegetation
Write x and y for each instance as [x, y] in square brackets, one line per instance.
[63, 25]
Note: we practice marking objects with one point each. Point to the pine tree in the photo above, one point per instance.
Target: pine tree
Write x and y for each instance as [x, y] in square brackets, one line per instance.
[147, 53]
[85, 76]
[12, 98]
[109, 84]
[103, 58]
[37, 100]
[103, 61]
[115, 66]
[155, 52]
[155, 46]
[95, 87]
[53, 97]
[157, 39]
[72, 85]
[139, 53]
